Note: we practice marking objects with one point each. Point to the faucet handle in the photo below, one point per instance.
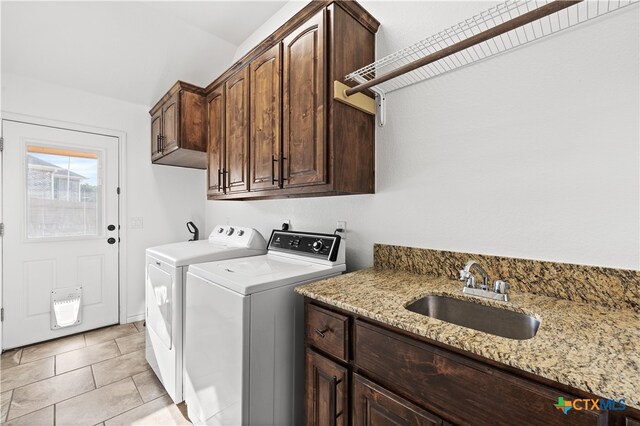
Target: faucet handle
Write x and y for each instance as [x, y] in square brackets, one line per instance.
[501, 287]
[464, 275]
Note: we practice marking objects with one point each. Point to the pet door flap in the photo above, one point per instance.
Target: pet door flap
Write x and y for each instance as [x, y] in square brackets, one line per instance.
[65, 307]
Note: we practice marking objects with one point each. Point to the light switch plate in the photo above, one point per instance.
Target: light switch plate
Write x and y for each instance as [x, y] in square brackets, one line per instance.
[136, 223]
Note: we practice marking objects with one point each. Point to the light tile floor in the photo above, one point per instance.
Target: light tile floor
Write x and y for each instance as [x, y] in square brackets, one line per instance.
[93, 378]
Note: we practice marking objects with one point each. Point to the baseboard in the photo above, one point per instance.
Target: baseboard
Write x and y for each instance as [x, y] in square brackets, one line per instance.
[135, 318]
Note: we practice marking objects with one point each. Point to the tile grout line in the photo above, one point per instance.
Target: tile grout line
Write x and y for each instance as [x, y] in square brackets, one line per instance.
[9, 409]
[118, 347]
[93, 376]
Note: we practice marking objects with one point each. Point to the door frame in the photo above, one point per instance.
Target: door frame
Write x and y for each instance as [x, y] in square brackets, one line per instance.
[122, 199]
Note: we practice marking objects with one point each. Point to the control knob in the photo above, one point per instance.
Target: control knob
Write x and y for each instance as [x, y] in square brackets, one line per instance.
[240, 232]
[317, 246]
[220, 230]
[230, 231]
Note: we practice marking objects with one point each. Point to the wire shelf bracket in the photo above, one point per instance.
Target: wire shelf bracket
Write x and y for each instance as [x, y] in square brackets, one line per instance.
[497, 30]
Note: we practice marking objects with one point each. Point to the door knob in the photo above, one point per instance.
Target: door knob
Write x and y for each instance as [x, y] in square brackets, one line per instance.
[111, 240]
[111, 227]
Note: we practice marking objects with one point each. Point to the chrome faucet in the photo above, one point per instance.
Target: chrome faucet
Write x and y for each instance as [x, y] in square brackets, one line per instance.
[498, 292]
[465, 275]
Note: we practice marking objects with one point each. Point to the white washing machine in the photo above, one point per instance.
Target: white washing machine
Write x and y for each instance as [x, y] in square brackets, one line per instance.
[165, 278]
[244, 355]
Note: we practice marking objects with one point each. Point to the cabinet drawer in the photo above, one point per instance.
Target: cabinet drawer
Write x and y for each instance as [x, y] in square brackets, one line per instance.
[328, 331]
[460, 389]
[374, 405]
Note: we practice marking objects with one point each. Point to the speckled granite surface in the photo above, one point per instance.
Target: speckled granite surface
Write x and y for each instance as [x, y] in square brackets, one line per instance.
[614, 288]
[589, 347]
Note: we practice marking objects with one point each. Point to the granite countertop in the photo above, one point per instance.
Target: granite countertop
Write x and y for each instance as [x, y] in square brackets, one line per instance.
[586, 346]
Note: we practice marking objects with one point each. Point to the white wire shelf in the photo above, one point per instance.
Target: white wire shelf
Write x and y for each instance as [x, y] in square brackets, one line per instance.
[492, 32]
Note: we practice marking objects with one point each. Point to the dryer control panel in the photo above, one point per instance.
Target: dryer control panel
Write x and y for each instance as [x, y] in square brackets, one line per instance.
[237, 236]
[319, 246]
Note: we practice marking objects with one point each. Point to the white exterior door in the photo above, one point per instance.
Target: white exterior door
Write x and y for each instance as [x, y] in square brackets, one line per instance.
[60, 243]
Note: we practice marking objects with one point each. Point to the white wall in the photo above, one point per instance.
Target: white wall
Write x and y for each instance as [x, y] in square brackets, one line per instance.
[128, 50]
[531, 154]
[165, 197]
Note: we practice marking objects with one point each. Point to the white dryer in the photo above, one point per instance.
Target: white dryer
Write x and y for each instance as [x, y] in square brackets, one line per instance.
[244, 356]
[165, 279]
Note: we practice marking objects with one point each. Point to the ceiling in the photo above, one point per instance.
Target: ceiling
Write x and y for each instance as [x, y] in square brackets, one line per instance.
[132, 51]
[232, 21]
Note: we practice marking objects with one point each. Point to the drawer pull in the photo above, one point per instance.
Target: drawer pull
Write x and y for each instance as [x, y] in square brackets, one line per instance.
[321, 332]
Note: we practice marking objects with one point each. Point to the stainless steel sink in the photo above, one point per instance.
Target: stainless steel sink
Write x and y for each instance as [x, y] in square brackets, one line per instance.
[496, 321]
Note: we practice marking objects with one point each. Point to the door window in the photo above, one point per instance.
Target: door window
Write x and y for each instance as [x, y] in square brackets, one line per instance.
[64, 195]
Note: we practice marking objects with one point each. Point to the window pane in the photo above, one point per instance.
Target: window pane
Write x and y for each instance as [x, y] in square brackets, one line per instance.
[64, 192]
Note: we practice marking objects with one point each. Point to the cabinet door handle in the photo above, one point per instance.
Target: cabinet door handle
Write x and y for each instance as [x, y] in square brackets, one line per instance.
[282, 158]
[274, 160]
[219, 173]
[334, 401]
[161, 139]
[226, 183]
[157, 143]
[322, 332]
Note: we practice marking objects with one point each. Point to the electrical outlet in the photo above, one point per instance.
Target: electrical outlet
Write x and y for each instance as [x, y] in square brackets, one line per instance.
[136, 223]
[342, 224]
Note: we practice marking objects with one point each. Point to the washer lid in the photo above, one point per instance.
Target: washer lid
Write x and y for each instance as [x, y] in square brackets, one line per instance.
[260, 273]
[188, 252]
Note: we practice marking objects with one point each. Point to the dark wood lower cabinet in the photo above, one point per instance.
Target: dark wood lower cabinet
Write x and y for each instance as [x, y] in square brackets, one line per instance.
[631, 422]
[326, 392]
[375, 406]
[385, 376]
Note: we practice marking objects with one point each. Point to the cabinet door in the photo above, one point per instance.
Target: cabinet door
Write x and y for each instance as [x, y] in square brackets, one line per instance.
[156, 133]
[326, 392]
[237, 131]
[266, 101]
[215, 147]
[170, 123]
[376, 406]
[304, 74]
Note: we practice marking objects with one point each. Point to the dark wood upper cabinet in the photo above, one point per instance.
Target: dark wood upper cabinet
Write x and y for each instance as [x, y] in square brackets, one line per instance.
[178, 128]
[156, 134]
[215, 137]
[228, 136]
[266, 104]
[305, 150]
[237, 131]
[170, 124]
[301, 142]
